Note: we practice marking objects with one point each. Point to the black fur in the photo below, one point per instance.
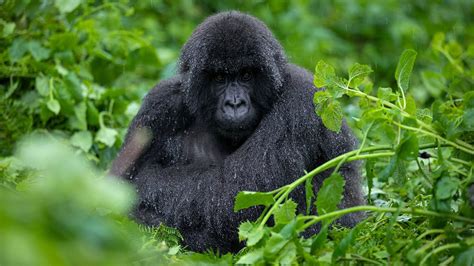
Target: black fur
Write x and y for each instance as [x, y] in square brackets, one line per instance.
[197, 196]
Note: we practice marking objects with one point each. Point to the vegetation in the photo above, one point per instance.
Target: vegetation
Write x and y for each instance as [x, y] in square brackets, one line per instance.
[72, 74]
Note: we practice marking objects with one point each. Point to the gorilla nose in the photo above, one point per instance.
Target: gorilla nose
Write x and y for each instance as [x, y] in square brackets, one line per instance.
[235, 107]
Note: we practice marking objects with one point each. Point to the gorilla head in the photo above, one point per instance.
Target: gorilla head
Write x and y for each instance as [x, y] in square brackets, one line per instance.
[232, 68]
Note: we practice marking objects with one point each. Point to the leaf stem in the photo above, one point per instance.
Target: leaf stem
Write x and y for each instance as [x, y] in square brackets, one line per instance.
[429, 232]
[351, 156]
[315, 219]
[470, 151]
[438, 250]
[405, 114]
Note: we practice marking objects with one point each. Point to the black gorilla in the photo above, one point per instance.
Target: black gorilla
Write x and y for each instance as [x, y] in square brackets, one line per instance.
[237, 116]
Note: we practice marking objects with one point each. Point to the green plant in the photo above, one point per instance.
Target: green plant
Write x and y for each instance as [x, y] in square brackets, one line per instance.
[407, 151]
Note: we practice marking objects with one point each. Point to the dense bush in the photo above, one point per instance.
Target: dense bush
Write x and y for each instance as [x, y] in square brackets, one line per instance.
[72, 74]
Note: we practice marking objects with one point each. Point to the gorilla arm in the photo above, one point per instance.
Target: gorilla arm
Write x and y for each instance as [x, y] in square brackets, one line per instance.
[161, 115]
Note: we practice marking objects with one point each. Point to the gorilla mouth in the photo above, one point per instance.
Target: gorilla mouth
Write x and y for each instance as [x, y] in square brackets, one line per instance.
[229, 126]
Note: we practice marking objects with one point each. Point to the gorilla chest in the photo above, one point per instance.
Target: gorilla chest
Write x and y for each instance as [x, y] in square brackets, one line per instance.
[198, 147]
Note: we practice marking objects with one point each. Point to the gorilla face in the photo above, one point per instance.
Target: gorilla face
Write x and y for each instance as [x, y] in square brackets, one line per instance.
[236, 115]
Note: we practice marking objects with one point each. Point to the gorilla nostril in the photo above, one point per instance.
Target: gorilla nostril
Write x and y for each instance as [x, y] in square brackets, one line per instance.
[241, 104]
[236, 103]
[229, 104]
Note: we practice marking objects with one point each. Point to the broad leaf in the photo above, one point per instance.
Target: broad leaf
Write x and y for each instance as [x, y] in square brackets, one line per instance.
[66, 6]
[54, 106]
[404, 68]
[332, 116]
[320, 239]
[408, 148]
[18, 49]
[245, 199]
[357, 74]
[343, 246]
[330, 194]
[244, 230]
[446, 187]
[285, 212]
[38, 52]
[82, 140]
[465, 258]
[107, 136]
[252, 257]
[323, 74]
[309, 193]
[274, 244]
[42, 85]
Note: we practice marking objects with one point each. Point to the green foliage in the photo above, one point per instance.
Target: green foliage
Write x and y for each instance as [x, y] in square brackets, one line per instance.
[246, 199]
[78, 77]
[51, 221]
[417, 178]
[330, 194]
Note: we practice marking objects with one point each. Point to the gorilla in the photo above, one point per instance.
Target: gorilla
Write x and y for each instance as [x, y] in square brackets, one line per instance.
[236, 116]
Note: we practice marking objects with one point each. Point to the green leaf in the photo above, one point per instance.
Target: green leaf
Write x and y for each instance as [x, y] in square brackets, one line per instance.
[73, 85]
[434, 82]
[42, 85]
[82, 140]
[8, 29]
[321, 97]
[386, 94]
[38, 52]
[245, 199]
[288, 255]
[357, 74]
[274, 244]
[330, 194]
[92, 114]
[255, 237]
[465, 258]
[332, 116]
[446, 187]
[79, 121]
[244, 230]
[252, 257]
[107, 136]
[468, 119]
[411, 105]
[424, 115]
[309, 193]
[18, 49]
[250, 232]
[454, 49]
[320, 100]
[61, 70]
[320, 239]
[54, 106]
[438, 40]
[468, 99]
[337, 86]
[323, 74]
[285, 212]
[344, 244]
[404, 68]
[291, 229]
[66, 6]
[408, 148]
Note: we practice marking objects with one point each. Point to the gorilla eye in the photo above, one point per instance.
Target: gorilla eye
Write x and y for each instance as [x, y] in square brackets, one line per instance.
[246, 76]
[219, 78]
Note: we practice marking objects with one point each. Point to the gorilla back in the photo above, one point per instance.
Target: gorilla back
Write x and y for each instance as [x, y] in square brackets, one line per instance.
[237, 116]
